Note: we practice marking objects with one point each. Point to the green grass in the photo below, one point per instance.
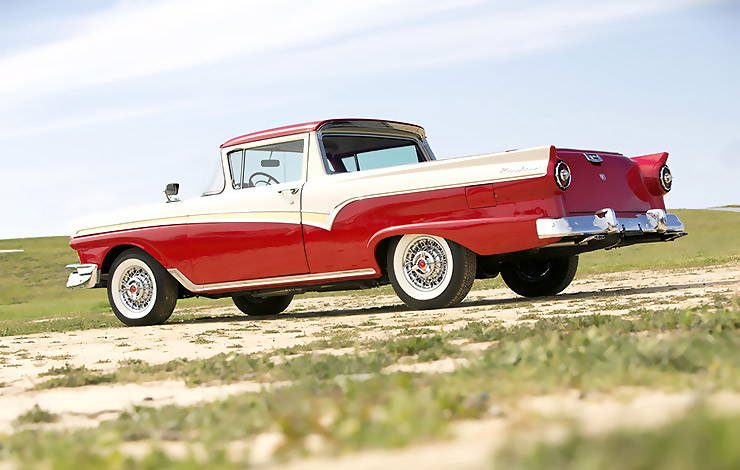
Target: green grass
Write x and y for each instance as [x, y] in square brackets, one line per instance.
[698, 440]
[36, 415]
[588, 351]
[33, 282]
[323, 395]
[69, 376]
[712, 239]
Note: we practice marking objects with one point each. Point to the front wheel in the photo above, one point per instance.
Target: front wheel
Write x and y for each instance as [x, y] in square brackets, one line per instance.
[140, 291]
[539, 277]
[430, 272]
[260, 306]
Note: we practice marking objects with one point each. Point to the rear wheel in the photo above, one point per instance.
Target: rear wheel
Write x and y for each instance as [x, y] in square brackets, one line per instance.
[259, 306]
[430, 272]
[539, 277]
[140, 291]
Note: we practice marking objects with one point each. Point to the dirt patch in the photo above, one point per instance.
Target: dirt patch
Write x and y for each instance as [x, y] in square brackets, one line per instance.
[222, 330]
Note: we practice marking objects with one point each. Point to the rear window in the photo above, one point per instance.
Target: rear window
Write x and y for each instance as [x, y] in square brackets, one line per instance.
[350, 153]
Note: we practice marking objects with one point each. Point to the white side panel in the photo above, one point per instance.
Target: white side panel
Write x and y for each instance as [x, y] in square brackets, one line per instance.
[325, 195]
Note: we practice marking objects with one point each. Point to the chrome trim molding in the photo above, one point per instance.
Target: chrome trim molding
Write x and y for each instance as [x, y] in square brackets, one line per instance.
[606, 221]
[83, 275]
[268, 281]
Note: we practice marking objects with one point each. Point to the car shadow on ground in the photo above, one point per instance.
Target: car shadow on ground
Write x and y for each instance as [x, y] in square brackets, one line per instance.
[497, 302]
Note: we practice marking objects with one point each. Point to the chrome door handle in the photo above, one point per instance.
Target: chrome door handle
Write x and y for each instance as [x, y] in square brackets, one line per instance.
[292, 191]
[289, 194]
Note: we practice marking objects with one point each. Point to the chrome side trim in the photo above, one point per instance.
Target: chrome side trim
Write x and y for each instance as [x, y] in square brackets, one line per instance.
[606, 221]
[268, 281]
[83, 275]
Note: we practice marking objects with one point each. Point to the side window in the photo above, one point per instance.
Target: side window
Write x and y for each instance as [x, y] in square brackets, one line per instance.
[350, 163]
[266, 165]
[388, 157]
[236, 165]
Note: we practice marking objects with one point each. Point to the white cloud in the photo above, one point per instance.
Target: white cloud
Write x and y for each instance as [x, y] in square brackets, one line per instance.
[88, 119]
[495, 34]
[137, 39]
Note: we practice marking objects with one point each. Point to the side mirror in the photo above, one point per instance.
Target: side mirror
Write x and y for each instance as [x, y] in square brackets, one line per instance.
[270, 163]
[170, 191]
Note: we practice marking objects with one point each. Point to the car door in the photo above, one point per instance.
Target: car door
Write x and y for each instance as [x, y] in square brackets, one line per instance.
[252, 230]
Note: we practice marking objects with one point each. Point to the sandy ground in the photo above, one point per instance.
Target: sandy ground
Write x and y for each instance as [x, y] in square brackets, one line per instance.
[226, 330]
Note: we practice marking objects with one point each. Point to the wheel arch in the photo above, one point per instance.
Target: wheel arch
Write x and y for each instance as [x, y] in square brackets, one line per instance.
[115, 251]
[449, 230]
[381, 252]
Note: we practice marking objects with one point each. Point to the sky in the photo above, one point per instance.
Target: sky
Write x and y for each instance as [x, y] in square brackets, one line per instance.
[103, 102]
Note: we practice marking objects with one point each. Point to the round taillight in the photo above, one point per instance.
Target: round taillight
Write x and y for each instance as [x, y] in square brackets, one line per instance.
[562, 175]
[666, 178]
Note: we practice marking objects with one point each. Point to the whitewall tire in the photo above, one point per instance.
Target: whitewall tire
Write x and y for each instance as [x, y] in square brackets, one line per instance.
[428, 272]
[140, 291]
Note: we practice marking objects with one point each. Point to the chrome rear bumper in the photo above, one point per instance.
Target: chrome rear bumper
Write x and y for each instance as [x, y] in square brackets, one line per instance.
[82, 275]
[606, 222]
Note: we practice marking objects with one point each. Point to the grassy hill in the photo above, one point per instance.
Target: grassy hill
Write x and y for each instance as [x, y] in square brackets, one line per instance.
[32, 283]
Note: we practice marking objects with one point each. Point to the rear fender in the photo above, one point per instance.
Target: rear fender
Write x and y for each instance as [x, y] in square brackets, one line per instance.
[448, 229]
[483, 236]
[649, 166]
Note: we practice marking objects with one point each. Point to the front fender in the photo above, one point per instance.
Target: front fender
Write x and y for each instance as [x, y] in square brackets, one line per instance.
[94, 249]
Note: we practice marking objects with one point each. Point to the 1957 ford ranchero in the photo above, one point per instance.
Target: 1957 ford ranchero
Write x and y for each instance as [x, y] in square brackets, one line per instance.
[357, 203]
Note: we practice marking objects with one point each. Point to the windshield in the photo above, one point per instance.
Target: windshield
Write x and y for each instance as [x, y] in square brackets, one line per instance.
[217, 183]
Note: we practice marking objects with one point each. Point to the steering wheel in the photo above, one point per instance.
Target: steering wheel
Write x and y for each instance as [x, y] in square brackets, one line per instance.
[261, 179]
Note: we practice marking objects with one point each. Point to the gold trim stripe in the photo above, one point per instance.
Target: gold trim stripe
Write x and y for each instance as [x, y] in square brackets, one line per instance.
[292, 217]
[316, 218]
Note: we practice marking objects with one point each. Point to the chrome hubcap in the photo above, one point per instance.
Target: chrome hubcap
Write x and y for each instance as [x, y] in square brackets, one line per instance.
[136, 288]
[425, 264]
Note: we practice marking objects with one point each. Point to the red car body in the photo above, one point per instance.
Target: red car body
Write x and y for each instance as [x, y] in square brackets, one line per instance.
[519, 208]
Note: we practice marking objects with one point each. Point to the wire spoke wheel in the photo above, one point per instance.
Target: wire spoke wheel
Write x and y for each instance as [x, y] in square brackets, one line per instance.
[136, 288]
[425, 264]
[427, 271]
[140, 291]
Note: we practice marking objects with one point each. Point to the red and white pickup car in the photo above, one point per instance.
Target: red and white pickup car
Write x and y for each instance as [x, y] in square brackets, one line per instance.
[356, 203]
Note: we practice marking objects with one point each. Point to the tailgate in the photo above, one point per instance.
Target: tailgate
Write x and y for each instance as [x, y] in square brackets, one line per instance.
[601, 180]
